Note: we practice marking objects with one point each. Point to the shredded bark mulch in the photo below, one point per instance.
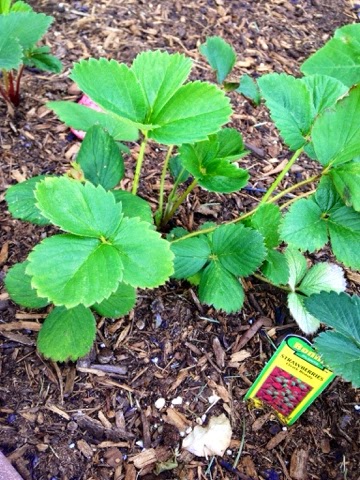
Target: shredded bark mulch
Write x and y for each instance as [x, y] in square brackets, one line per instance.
[92, 419]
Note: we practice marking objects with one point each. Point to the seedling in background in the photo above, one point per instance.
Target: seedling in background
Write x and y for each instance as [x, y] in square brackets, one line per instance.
[20, 30]
[153, 101]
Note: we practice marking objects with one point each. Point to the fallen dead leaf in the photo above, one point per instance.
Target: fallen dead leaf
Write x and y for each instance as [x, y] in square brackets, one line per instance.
[213, 439]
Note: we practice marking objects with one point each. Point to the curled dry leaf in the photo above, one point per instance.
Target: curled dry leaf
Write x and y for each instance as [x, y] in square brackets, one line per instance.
[213, 439]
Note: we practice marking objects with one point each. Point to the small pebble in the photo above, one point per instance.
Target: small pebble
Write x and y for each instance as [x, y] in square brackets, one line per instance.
[177, 401]
[160, 403]
[140, 443]
[229, 452]
[213, 398]
[155, 360]
[357, 408]
[199, 421]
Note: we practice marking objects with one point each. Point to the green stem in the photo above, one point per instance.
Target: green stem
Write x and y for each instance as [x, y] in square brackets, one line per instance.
[302, 195]
[266, 280]
[281, 175]
[179, 201]
[294, 187]
[162, 180]
[139, 163]
[249, 214]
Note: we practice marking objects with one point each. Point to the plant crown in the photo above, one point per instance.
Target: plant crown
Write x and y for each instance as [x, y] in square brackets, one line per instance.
[110, 247]
[18, 47]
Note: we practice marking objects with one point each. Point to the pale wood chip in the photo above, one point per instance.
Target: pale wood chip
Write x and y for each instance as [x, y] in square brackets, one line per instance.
[4, 252]
[177, 419]
[238, 357]
[19, 337]
[145, 458]
[104, 420]
[298, 464]
[260, 422]
[279, 437]
[179, 379]
[219, 352]
[85, 448]
[58, 411]
[8, 327]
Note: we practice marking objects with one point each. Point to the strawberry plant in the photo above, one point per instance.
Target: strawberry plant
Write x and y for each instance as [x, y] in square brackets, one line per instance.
[110, 246]
[18, 47]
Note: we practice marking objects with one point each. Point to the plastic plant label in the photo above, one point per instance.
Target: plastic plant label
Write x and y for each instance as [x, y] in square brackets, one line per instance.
[292, 379]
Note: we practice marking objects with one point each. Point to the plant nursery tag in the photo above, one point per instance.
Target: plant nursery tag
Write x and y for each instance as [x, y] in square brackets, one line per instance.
[292, 379]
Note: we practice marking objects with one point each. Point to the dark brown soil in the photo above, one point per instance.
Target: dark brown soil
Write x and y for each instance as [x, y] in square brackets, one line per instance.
[70, 421]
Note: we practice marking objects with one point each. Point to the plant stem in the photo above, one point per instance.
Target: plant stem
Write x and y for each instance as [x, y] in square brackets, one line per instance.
[17, 86]
[251, 212]
[294, 187]
[139, 163]
[281, 175]
[179, 201]
[302, 195]
[266, 280]
[162, 181]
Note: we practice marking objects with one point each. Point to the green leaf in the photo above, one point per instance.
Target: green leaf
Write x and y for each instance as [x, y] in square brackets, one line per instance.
[100, 159]
[5, 6]
[220, 55]
[304, 227]
[231, 145]
[249, 88]
[324, 92]
[340, 349]
[18, 286]
[339, 58]
[238, 249]
[275, 267]
[289, 102]
[196, 110]
[112, 86]
[212, 172]
[344, 229]
[168, 73]
[133, 206]
[190, 256]
[21, 201]
[81, 209]
[70, 270]
[220, 288]
[147, 258]
[67, 334]
[309, 223]
[83, 118]
[336, 133]
[177, 171]
[341, 355]
[40, 58]
[266, 220]
[307, 322]
[325, 277]
[10, 53]
[297, 267]
[118, 304]
[346, 179]
[295, 103]
[16, 25]
[339, 311]
[21, 6]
